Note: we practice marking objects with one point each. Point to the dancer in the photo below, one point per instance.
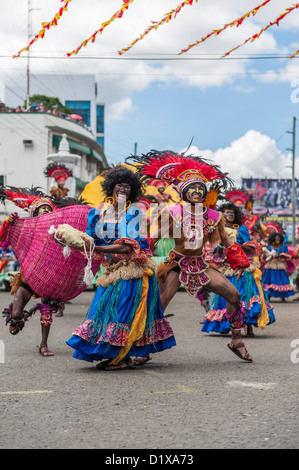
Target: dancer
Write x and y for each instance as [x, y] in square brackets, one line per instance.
[125, 318]
[258, 310]
[164, 245]
[60, 173]
[37, 204]
[190, 177]
[275, 279]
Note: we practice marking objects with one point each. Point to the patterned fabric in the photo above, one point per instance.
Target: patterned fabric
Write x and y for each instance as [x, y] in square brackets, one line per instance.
[125, 318]
[117, 334]
[193, 274]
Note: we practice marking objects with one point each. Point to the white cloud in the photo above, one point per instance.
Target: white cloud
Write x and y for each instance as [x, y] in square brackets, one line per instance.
[252, 155]
[121, 78]
[193, 22]
[120, 109]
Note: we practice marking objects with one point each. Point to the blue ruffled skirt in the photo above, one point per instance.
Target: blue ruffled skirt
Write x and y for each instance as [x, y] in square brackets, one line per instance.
[250, 297]
[107, 327]
[276, 283]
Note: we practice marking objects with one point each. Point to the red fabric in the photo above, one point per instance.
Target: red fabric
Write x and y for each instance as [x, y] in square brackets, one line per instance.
[236, 257]
[4, 231]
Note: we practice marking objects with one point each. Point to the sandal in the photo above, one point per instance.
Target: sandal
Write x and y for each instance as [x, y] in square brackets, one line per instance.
[44, 351]
[17, 325]
[103, 364]
[125, 364]
[235, 349]
[139, 361]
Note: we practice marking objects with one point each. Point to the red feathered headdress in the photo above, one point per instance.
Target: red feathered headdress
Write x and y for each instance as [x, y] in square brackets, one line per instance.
[178, 169]
[157, 183]
[25, 198]
[30, 199]
[237, 197]
[58, 171]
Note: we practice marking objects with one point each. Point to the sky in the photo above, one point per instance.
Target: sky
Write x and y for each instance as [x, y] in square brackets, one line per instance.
[237, 111]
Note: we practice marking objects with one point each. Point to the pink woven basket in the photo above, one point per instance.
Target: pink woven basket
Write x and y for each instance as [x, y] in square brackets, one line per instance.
[46, 270]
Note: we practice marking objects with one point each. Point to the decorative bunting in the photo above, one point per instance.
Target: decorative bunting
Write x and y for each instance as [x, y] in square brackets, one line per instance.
[236, 23]
[272, 23]
[92, 38]
[46, 26]
[167, 17]
[155, 25]
[294, 55]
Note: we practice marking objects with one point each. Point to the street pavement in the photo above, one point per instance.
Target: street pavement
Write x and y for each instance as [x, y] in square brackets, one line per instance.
[197, 395]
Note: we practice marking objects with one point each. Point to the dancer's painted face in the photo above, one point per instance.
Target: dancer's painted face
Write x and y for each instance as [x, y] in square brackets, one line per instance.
[121, 192]
[44, 210]
[229, 215]
[195, 193]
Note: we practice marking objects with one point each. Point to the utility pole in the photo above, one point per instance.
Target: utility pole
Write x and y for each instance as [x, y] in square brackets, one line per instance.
[293, 183]
[28, 57]
[135, 148]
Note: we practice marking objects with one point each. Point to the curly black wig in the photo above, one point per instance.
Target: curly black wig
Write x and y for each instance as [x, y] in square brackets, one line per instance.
[238, 213]
[271, 238]
[118, 175]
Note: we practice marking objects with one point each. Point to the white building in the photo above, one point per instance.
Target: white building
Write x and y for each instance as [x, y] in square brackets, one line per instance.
[78, 92]
[27, 139]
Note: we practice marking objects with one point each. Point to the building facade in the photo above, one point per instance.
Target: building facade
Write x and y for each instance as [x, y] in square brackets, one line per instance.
[78, 92]
[26, 141]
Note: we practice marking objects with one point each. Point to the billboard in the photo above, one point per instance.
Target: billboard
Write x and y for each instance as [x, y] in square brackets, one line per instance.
[274, 195]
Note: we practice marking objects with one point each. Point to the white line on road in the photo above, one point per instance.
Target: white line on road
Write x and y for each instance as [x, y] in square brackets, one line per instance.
[258, 385]
[26, 392]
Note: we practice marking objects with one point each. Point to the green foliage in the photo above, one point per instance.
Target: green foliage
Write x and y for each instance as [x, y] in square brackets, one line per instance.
[50, 103]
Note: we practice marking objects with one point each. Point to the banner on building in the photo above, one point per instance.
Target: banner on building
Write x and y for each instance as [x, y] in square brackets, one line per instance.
[274, 195]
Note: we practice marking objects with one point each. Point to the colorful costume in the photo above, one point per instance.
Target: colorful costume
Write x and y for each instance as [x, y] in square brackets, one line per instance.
[43, 265]
[125, 318]
[182, 172]
[60, 173]
[275, 278]
[258, 310]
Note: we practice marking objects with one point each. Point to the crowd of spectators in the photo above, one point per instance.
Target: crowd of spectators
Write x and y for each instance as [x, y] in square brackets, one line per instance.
[40, 108]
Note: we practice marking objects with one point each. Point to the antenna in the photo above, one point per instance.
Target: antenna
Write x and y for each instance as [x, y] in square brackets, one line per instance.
[29, 35]
[28, 55]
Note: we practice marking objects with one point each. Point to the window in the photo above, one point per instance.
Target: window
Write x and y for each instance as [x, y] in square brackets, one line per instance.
[100, 119]
[2, 180]
[82, 108]
[100, 140]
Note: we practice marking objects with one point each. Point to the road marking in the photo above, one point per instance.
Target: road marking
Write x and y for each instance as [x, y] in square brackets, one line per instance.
[152, 372]
[182, 388]
[258, 385]
[26, 392]
[186, 389]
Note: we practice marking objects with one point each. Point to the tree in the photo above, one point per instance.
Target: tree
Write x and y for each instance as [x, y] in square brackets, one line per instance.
[50, 103]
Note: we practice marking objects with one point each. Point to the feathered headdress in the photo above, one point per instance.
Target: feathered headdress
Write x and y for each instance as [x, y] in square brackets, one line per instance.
[273, 227]
[157, 183]
[240, 198]
[29, 199]
[58, 171]
[178, 170]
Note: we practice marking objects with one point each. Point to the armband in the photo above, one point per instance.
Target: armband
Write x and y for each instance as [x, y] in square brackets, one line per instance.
[135, 255]
[236, 257]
